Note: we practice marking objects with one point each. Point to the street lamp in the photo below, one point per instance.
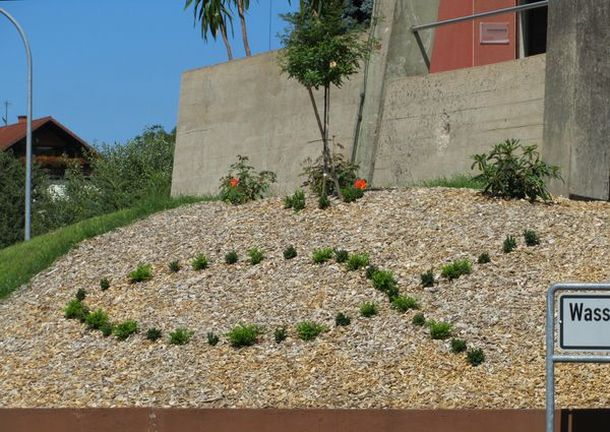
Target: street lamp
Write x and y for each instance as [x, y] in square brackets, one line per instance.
[28, 140]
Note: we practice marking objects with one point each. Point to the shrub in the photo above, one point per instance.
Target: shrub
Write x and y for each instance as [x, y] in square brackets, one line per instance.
[385, 282]
[342, 320]
[370, 271]
[507, 174]
[104, 284]
[243, 335]
[351, 193]
[141, 274]
[356, 261]
[106, 329]
[368, 309]
[152, 334]
[242, 184]
[427, 278]
[458, 346]
[440, 329]
[531, 237]
[280, 334]
[322, 255]
[309, 330]
[509, 244]
[75, 309]
[341, 255]
[231, 257]
[180, 336]
[290, 252]
[404, 303]
[213, 339]
[256, 256]
[419, 319]
[484, 258]
[295, 201]
[174, 266]
[80, 294]
[314, 171]
[475, 356]
[125, 329]
[200, 262]
[323, 202]
[456, 269]
[95, 320]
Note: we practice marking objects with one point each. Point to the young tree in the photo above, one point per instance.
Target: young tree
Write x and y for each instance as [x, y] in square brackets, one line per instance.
[321, 51]
[215, 17]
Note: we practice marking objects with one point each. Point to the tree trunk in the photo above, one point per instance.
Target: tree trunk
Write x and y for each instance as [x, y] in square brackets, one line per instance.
[325, 143]
[225, 39]
[333, 173]
[244, 32]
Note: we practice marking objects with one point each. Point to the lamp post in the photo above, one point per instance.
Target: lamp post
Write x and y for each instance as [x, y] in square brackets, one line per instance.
[28, 140]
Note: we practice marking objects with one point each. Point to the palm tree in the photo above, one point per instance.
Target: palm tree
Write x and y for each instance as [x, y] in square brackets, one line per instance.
[214, 15]
[242, 7]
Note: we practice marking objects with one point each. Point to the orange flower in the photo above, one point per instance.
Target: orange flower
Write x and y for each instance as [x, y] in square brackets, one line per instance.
[234, 182]
[360, 184]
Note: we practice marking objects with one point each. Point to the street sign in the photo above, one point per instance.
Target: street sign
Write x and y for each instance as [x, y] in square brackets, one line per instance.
[584, 322]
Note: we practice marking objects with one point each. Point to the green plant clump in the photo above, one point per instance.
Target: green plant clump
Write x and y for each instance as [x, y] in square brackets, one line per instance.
[104, 284]
[427, 278]
[106, 329]
[322, 255]
[357, 261]
[174, 266]
[456, 269]
[256, 256]
[323, 202]
[370, 271]
[243, 184]
[508, 174]
[243, 335]
[341, 255]
[475, 356]
[531, 237]
[309, 330]
[290, 252]
[200, 262]
[342, 320]
[75, 309]
[213, 339]
[351, 193]
[231, 257]
[484, 258]
[440, 329]
[509, 245]
[458, 346]
[295, 201]
[385, 282]
[280, 334]
[369, 309]
[403, 303]
[153, 334]
[141, 274]
[180, 336]
[419, 319]
[125, 329]
[80, 294]
[97, 319]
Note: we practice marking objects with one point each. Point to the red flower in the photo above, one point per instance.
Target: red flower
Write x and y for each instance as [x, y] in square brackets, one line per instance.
[234, 182]
[360, 184]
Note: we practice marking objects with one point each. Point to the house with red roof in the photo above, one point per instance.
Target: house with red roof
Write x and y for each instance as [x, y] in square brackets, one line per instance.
[54, 146]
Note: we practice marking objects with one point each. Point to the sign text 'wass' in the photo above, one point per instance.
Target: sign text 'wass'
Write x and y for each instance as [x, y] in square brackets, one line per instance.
[585, 322]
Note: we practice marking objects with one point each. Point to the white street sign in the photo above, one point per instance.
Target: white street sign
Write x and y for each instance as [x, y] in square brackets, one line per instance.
[584, 322]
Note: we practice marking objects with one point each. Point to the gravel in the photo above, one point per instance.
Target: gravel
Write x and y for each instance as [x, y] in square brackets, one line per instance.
[378, 362]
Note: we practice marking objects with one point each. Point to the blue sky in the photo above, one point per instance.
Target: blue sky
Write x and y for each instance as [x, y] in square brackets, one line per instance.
[107, 69]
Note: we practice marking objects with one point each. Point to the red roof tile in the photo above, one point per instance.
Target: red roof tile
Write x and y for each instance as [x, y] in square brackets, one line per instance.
[12, 134]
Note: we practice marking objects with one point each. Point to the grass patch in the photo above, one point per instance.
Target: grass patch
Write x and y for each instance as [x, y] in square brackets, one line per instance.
[459, 181]
[21, 261]
[244, 335]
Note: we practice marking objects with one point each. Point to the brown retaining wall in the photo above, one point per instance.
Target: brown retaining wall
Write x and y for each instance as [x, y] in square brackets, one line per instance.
[314, 420]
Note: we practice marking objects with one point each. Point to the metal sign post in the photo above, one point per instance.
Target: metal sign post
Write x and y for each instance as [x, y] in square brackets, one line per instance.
[584, 326]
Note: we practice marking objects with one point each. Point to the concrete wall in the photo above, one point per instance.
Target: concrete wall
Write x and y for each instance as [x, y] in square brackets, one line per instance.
[245, 107]
[432, 124]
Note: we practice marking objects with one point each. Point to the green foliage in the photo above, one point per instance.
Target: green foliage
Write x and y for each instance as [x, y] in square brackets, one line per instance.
[351, 194]
[440, 329]
[231, 257]
[322, 255]
[484, 258]
[403, 303]
[280, 334]
[323, 202]
[80, 294]
[427, 278]
[342, 320]
[357, 261]
[256, 256]
[213, 339]
[314, 172]
[106, 329]
[531, 237]
[141, 274]
[243, 335]
[419, 319]
[104, 284]
[341, 255]
[75, 309]
[456, 269]
[180, 336]
[385, 282]
[295, 201]
[309, 330]
[97, 319]
[458, 346]
[290, 252]
[509, 244]
[125, 329]
[512, 170]
[200, 262]
[174, 266]
[369, 309]
[370, 271]
[243, 184]
[153, 334]
[459, 181]
[475, 356]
